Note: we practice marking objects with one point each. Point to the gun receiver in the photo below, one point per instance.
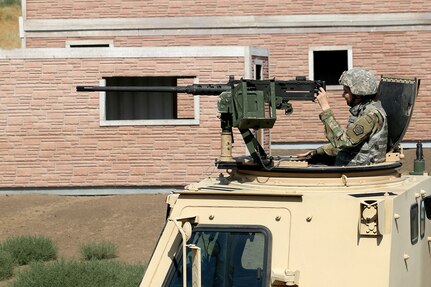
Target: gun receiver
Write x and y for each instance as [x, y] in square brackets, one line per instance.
[243, 104]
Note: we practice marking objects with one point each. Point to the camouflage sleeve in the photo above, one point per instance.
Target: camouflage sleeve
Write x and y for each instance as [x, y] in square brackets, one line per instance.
[354, 134]
[327, 149]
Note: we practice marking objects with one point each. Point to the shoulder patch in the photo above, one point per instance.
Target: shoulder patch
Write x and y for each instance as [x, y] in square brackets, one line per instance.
[358, 129]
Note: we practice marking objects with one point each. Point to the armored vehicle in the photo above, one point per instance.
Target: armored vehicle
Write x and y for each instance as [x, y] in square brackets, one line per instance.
[281, 221]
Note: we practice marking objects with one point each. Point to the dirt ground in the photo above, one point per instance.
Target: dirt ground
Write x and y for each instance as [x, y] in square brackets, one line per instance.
[132, 222]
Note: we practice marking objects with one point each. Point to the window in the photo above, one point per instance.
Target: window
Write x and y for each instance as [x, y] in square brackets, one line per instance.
[258, 71]
[236, 257]
[422, 219]
[414, 223]
[148, 108]
[89, 44]
[328, 63]
[141, 105]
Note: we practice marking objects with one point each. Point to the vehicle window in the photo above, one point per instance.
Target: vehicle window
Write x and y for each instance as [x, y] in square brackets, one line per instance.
[229, 259]
[414, 223]
[422, 219]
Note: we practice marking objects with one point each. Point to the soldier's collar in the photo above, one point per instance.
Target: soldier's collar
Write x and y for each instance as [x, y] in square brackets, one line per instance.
[356, 110]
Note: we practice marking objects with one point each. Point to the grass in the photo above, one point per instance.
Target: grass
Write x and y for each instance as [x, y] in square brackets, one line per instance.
[36, 250]
[6, 265]
[99, 251]
[80, 274]
[10, 10]
[6, 3]
[26, 249]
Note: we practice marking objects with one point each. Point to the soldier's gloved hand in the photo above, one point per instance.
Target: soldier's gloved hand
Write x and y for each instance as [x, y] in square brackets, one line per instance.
[308, 154]
[322, 99]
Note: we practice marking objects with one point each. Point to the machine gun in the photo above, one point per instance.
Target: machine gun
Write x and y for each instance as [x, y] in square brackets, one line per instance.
[243, 104]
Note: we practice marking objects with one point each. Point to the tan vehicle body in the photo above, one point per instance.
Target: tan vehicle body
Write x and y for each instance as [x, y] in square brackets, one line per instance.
[335, 229]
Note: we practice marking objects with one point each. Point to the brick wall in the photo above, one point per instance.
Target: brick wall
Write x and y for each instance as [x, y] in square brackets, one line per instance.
[162, 8]
[387, 53]
[185, 108]
[50, 134]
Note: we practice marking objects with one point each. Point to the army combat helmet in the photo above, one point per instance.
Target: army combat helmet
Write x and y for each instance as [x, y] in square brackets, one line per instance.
[360, 81]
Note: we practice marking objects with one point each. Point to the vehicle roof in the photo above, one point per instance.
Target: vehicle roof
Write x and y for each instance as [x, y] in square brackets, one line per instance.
[266, 184]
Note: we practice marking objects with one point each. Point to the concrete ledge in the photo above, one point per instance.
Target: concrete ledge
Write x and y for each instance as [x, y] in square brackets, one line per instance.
[134, 52]
[90, 190]
[229, 22]
[227, 25]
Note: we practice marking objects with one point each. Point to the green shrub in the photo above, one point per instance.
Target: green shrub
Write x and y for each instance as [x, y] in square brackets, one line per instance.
[80, 274]
[4, 3]
[99, 251]
[6, 265]
[25, 249]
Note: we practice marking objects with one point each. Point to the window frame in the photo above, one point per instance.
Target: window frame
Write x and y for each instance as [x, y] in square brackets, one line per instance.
[229, 228]
[311, 51]
[154, 122]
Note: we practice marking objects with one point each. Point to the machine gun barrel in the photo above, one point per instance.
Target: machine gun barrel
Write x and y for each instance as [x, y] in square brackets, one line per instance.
[195, 89]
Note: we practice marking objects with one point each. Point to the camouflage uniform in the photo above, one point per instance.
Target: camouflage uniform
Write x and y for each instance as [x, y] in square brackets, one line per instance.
[364, 141]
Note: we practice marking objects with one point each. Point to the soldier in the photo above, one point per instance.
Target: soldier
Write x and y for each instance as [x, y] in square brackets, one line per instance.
[364, 140]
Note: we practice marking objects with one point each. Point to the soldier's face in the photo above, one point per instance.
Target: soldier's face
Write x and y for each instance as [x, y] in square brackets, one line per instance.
[348, 96]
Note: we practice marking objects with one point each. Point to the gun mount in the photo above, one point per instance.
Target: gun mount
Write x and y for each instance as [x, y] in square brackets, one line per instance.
[243, 104]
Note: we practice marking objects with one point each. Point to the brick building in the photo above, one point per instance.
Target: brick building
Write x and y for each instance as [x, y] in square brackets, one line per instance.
[54, 137]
